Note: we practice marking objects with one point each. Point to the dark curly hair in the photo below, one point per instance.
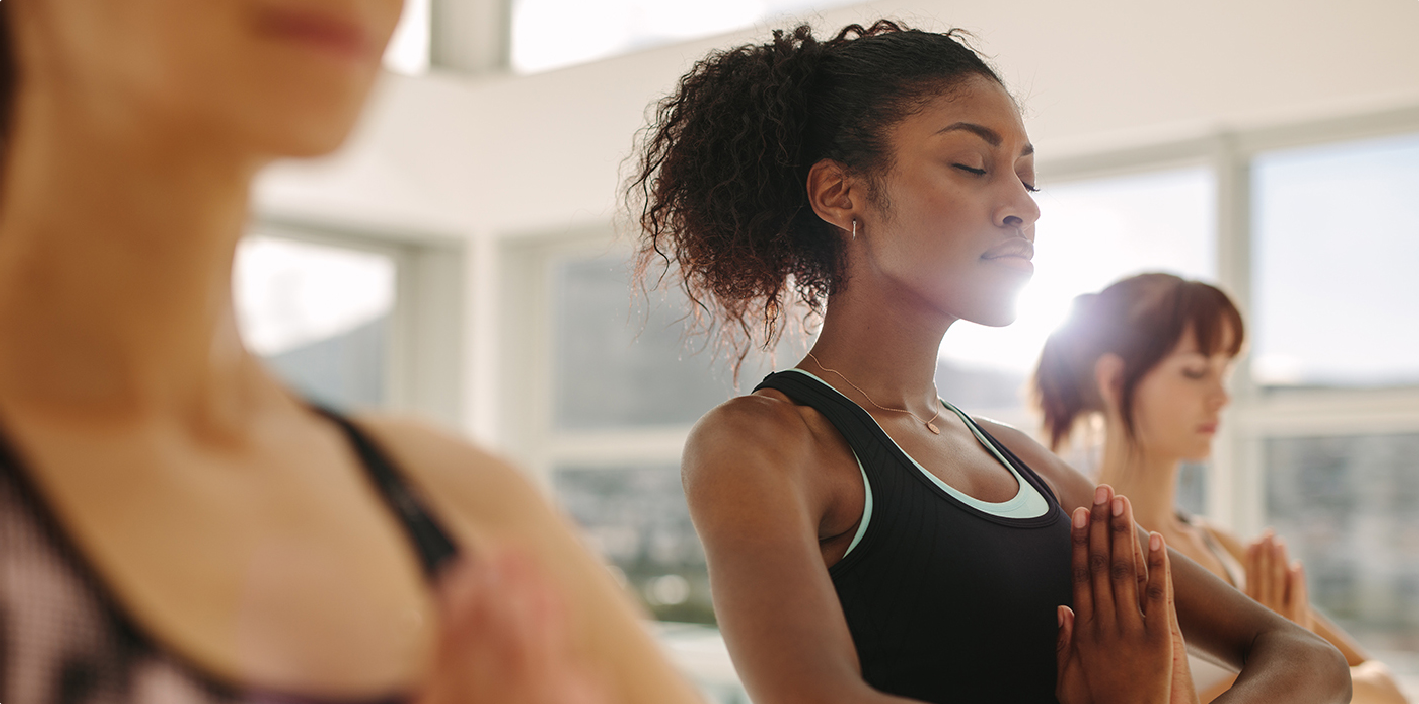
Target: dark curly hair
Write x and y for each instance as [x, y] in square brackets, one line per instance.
[1140, 319]
[719, 189]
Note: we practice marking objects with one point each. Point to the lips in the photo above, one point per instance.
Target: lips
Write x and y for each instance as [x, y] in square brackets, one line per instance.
[316, 30]
[1015, 252]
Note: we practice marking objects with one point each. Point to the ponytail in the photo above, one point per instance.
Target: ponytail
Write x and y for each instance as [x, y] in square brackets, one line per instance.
[1140, 319]
[719, 189]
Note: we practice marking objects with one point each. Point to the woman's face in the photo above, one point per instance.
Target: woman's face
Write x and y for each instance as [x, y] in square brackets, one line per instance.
[274, 77]
[1177, 404]
[958, 223]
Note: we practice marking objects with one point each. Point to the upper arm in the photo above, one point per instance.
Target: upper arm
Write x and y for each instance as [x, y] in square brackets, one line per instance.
[746, 472]
[488, 506]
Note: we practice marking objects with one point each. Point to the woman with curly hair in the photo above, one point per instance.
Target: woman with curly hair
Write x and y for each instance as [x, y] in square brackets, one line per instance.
[1150, 355]
[866, 541]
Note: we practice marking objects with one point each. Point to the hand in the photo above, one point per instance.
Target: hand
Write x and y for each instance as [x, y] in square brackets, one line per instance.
[1277, 583]
[1118, 643]
[503, 640]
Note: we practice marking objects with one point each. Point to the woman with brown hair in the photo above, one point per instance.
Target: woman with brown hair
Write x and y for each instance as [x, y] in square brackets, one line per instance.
[866, 542]
[175, 525]
[1150, 356]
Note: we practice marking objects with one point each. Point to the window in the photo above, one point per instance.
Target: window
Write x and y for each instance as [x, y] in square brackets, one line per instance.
[1335, 247]
[1090, 234]
[408, 50]
[548, 34]
[1346, 505]
[319, 315]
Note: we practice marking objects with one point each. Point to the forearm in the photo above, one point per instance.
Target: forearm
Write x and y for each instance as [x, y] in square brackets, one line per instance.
[1291, 665]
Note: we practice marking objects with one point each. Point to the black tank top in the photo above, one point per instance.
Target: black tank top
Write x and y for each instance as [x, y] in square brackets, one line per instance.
[946, 603]
[65, 639]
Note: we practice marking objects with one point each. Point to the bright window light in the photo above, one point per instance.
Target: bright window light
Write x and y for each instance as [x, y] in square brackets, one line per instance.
[408, 50]
[1092, 233]
[1334, 253]
[291, 294]
[548, 34]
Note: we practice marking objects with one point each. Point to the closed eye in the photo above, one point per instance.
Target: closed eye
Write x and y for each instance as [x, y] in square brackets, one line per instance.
[969, 170]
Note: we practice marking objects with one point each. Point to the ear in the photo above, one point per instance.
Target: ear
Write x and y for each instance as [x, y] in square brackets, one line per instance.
[834, 194]
[1108, 381]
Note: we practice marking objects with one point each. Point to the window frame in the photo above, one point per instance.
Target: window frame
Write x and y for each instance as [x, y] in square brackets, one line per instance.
[424, 362]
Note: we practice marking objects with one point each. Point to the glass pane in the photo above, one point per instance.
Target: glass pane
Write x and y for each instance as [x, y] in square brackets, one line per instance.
[1335, 249]
[319, 316]
[1349, 509]
[617, 364]
[1090, 234]
[636, 518]
[408, 50]
[548, 34]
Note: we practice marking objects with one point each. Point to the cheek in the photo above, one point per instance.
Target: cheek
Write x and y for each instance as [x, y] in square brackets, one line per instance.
[937, 235]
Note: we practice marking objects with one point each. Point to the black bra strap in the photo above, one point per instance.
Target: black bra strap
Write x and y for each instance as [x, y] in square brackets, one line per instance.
[436, 549]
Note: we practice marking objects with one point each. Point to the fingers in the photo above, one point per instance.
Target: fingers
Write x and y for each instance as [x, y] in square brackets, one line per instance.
[1101, 558]
[1064, 641]
[1079, 563]
[1281, 571]
[1298, 595]
[1124, 569]
[1157, 610]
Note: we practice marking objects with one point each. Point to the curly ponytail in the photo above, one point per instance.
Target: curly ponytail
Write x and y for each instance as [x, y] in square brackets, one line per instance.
[1140, 319]
[719, 190]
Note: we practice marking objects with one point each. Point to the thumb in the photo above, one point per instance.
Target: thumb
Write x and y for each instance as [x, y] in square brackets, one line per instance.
[1064, 643]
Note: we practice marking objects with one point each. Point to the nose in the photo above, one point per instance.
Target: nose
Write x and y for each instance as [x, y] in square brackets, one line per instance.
[1018, 212]
[1220, 398]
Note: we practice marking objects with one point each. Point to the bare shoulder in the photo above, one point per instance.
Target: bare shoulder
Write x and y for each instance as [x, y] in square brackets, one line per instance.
[1072, 488]
[748, 434]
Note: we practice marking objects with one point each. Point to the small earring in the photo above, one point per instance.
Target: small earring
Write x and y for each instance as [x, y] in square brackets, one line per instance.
[854, 228]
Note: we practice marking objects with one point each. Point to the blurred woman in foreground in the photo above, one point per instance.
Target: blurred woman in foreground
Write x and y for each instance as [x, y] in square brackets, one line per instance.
[175, 525]
[1151, 355]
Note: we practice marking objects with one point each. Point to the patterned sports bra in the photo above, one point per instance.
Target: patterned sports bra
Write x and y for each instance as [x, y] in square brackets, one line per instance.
[65, 640]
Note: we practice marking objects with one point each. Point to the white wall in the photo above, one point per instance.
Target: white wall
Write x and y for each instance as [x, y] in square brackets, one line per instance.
[502, 156]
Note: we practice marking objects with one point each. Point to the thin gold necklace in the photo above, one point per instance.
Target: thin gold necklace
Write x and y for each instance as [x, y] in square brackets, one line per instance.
[928, 423]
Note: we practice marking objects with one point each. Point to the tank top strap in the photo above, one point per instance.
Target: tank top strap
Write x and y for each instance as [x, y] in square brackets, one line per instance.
[856, 426]
[429, 538]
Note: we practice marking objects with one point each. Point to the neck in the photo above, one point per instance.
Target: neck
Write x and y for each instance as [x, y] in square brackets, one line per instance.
[885, 341]
[116, 248]
[1149, 481]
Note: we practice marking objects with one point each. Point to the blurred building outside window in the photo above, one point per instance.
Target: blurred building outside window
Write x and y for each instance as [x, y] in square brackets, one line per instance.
[550, 34]
[1334, 401]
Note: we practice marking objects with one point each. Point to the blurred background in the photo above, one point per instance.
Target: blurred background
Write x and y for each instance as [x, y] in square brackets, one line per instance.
[459, 259]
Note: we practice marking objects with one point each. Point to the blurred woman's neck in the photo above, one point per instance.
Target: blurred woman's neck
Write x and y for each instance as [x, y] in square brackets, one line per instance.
[117, 238]
[1147, 479]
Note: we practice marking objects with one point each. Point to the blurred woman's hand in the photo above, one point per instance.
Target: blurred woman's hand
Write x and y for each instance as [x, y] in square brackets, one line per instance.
[1277, 582]
[502, 640]
[1121, 641]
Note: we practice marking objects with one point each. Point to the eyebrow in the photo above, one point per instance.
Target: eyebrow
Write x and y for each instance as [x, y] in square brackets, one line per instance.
[989, 135]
